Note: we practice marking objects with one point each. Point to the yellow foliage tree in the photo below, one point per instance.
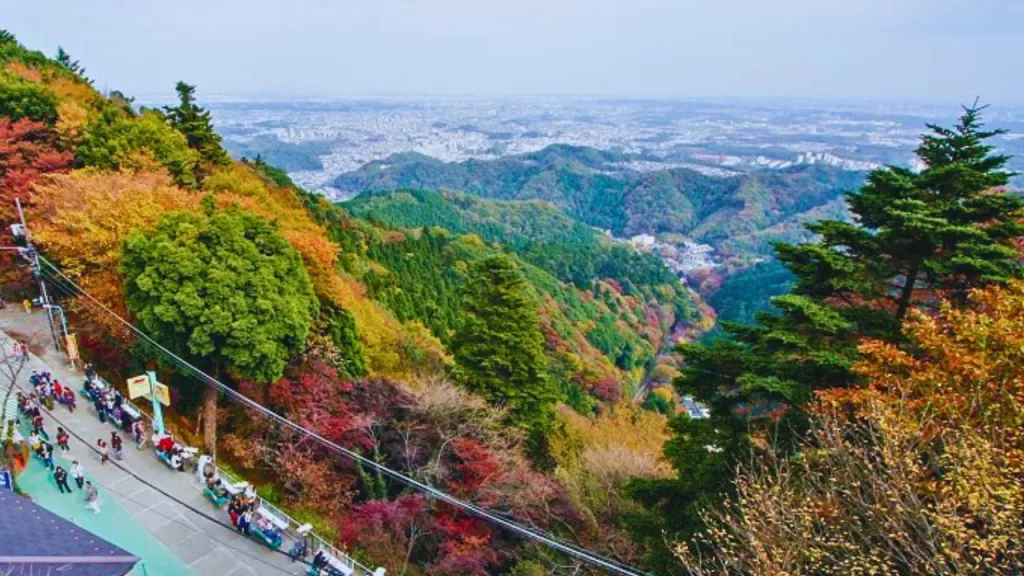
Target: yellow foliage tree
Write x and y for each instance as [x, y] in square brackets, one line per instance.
[71, 120]
[597, 456]
[81, 218]
[392, 349]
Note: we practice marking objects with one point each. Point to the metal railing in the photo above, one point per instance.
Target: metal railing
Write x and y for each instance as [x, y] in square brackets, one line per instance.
[293, 525]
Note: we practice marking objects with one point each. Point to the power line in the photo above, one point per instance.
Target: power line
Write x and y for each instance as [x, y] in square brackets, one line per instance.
[529, 533]
[494, 517]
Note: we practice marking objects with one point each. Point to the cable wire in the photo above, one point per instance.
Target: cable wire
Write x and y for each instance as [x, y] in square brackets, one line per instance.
[529, 533]
[494, 517]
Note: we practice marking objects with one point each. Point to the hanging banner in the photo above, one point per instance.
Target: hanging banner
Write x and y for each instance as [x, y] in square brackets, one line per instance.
[72, 346]
[138, 386]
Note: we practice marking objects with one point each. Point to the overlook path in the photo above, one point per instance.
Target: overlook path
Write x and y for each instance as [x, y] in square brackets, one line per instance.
[207, 547]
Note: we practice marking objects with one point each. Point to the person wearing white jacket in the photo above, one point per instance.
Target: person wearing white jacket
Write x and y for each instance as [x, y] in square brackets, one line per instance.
[78, 474]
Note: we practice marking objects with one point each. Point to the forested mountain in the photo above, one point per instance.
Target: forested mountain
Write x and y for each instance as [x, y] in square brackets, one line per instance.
[601, 298]
[483, 348]
[750, 291]
[738, 215]
[287, 156]
[536, 230]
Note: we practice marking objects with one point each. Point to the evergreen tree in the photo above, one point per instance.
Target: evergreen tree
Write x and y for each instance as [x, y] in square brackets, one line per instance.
[225, 291]
[499, 349]
[64, 59]
[194, 122]
[917, 237]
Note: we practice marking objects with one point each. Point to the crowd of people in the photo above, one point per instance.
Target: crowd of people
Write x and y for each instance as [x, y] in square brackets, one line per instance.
[243, 506]
[50, 391]
[45, 387]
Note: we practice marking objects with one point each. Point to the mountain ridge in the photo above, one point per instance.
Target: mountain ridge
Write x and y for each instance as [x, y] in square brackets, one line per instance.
[597, 188]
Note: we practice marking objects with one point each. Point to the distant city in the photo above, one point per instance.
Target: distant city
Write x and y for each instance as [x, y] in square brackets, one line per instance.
[316, 141]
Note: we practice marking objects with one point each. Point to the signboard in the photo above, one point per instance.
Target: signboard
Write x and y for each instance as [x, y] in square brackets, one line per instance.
[138, 386]
[72, 345]
[163, 394]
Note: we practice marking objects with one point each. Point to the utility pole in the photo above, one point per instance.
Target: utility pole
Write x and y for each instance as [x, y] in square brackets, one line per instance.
[33, 258]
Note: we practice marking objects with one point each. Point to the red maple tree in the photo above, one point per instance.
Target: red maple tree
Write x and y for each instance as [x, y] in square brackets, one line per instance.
[27, 150]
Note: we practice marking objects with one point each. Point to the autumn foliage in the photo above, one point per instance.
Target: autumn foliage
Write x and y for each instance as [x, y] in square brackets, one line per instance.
[81, 219]
[920, 472]
[95, 172]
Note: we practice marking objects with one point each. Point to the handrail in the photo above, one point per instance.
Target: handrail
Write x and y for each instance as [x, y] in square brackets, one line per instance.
[293, 525]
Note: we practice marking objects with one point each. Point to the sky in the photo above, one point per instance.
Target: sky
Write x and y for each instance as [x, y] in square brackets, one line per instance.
[915, 50]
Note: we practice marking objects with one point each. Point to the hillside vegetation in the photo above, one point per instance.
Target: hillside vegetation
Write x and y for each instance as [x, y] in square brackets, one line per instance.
[487, 362]
[869, 422]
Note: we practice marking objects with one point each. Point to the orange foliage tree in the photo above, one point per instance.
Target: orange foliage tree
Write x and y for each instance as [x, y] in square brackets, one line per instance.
[921, 472]
[82, 217]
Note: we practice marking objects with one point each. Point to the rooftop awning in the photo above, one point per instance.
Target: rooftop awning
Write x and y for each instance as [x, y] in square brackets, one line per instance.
[34, 540]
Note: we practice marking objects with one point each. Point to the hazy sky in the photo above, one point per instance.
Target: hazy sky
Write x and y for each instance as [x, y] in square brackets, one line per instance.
[845, 49]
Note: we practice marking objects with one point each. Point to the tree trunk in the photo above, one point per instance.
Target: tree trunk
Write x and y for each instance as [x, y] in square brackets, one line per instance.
[210, 420]
[908, 291]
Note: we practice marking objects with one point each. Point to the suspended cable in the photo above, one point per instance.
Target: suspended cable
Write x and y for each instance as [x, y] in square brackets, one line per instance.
[493, 516]
[550, 541]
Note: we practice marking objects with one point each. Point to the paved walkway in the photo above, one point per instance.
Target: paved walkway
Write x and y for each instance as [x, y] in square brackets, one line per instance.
[205, 546]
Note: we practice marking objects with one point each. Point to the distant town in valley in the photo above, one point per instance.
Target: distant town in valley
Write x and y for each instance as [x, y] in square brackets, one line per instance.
[316, 141]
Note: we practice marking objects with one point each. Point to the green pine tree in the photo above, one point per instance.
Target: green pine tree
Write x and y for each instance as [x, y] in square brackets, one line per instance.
[194, 122]
[917, 237]
[499, 348]
[64, 59]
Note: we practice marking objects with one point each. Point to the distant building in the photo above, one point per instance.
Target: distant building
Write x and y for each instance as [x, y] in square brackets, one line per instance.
[34, 540]
[643, 240]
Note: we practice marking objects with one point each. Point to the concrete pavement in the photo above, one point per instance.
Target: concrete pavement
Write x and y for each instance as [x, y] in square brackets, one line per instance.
[205, 545]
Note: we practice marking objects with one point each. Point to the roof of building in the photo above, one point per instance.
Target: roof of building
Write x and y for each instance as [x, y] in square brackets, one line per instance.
[37, 541]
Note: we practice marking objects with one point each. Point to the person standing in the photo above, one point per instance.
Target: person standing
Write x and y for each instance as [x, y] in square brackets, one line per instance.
[27, 305]
[69, 398]
[140, 434]
[100, 410]
[62, 439]
[37, 426]
[61, 477]
[92, 498]
[47, 453]
[104, 452]
[78, 474]
[245, 522]
[117, 445]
